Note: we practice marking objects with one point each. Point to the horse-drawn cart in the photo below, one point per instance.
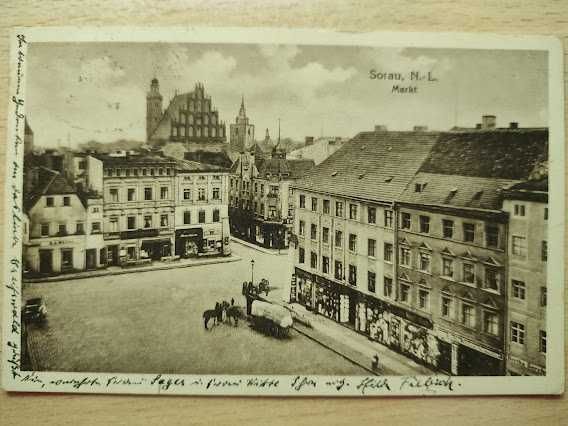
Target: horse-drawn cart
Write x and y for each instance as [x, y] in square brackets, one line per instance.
[271, 319]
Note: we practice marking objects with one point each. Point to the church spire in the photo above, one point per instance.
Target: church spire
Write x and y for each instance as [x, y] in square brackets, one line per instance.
[242, 111]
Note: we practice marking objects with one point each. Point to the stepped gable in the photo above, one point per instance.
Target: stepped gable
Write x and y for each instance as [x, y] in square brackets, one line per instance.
[373, 165]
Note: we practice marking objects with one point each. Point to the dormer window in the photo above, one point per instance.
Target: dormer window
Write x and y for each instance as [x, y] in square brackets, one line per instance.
[334, 174]
[419, 187]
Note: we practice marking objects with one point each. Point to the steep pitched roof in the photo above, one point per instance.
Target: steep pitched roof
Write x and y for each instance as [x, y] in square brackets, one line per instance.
[372, 165]
[46, 182]
[195, 166]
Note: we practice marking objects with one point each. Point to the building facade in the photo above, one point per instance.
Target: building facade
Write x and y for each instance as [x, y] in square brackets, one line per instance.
[201, 209]
[411, 247]
[527, 205]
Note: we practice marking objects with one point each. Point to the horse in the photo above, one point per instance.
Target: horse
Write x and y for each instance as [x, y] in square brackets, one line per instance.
[233, 312]
[207, 315]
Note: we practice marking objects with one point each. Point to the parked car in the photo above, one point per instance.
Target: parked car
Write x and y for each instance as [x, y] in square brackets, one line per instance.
[35, 311]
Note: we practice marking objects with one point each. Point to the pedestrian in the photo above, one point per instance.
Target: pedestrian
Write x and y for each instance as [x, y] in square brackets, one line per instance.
[217, 311]
[375, 363]
[232, 301]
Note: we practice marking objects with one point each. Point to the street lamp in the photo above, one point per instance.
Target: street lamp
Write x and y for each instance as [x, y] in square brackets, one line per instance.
[252, 271]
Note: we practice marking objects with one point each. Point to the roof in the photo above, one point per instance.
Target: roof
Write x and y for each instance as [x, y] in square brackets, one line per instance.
[134, 160]
[530, 190]
[220, 159]
[46, 182]
[471, 169]
[373, 165]
[292, 169]
[195, 166]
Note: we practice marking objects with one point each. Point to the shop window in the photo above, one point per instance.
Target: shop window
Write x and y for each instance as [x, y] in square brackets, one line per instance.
[326, 206]
[517, 333]
[425, 224]
[405, 220]
[66, 259]
[353, 275]
[387, 287]
[371, 281]
[371, 247]
[131, 253]
[447, 267]
[469, 232]
[388, 218]
[388, 252]
[519, 246]
[492, 236]
[518, 289]
[301, 255]
[201, 216]
[325, 264]
[371, 215]
[491, 323]
[447, 228]
[216, 215]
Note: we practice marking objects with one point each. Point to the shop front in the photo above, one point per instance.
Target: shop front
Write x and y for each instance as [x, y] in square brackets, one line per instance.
[155, 249]
[188, 242]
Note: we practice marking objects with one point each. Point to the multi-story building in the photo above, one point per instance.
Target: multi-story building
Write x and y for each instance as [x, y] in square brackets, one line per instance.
[201, 209]
[139, 207]
[62, 231]
[527, 205]
[410, 246]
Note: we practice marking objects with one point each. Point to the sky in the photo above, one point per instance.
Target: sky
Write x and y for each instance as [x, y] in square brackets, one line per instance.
[76, 92]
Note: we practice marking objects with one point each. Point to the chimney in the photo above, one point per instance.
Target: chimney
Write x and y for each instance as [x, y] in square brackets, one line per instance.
[513, 125]
[380, 128]
[420, 128]
[488, 121]
[309, 140]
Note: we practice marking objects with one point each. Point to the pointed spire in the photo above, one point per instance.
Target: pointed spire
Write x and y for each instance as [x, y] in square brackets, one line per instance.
[242, 111]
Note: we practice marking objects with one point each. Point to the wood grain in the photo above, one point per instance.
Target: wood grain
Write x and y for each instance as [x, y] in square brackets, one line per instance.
[548, 17]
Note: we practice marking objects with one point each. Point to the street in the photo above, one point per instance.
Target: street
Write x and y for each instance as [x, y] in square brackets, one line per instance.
[152, 322]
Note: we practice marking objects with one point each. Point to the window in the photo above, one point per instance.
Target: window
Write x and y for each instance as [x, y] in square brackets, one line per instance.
[314, 204]
[66, 259]
[519, 210]
[313, 260]
[405, 256]
[543, 296]
[131, 222]
[447, 267]
[187, 217]
[468, 315]
[215, 215]
[339, 209]
[62, 230]
[388, 252]
[147, 221]
[338, 270]
[163, 220]
[186, 194]
[302, 201]
[216, 193]
[404, 293]
[201, 194]
[519, 289]
[519, 246]
[387, 287]
[338, 238]
[542, 341]
[424, 224]
[313, 231]
[371, 281]
[447, 228]
[352, 242]
[388, 218]
[302, 228]
[425, 262]
[492, 278]
[131, 194]
[301, 255]
[490, 323]
[371, 215]
[546, 213]
[326, 206]
[147, 193]
[468, 273]
[201, 216]
[49, 202]
[405, 220]
[446, 307]
[80, 228]
[544, 251]
[131, 253]
[353, 211]
[517, 333]
[423, 299]
[113, 192]
[66, 201]
[469, 232]
[113, 224]
[325, 235]
[371, 246]
[325, 264]
[492, 236]
[352, 275]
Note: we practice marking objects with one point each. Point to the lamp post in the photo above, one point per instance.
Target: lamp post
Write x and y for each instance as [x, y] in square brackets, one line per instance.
[252, 270]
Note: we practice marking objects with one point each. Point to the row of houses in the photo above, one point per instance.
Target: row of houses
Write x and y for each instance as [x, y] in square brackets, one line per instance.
[88, 211]
[432, 243]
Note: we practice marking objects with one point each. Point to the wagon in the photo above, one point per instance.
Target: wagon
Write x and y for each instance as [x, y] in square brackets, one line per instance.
[35, 311]
[271, 319]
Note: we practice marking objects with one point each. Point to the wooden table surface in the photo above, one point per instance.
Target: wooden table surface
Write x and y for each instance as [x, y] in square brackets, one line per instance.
[548, 17]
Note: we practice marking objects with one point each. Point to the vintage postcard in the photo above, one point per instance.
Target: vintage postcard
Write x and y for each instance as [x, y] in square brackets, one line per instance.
[283, 212]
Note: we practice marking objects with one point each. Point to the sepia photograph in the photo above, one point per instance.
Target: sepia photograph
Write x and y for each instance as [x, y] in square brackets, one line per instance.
[213, 215]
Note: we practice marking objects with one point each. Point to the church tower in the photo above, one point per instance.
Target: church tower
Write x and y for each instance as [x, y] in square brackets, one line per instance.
[153, 108]
[242, 132]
